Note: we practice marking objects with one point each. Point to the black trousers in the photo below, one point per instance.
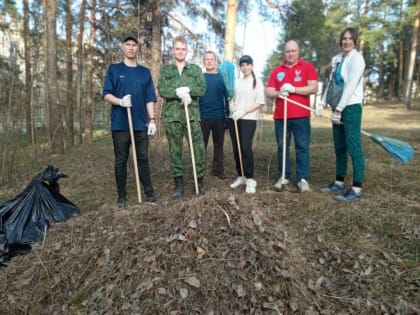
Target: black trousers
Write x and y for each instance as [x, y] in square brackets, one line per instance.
[122, 142]
[217, 129]
[246, 130]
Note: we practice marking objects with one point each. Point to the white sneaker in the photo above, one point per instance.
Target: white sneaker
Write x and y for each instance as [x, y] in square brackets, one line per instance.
[238, 182]
[251, 184]
[303, 185]
[280, 183]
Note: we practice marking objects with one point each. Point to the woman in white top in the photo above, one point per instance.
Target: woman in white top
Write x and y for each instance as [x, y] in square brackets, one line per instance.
[245, 108]
[348, 67]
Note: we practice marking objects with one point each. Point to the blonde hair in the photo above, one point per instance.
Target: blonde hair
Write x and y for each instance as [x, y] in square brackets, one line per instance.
[179, 39]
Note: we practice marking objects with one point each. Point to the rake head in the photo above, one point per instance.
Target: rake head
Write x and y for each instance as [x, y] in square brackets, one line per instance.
[227, 69]
[399, 150]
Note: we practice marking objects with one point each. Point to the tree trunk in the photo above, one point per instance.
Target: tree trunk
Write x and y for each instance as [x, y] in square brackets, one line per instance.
[401, 57]
[28, 76]
[365, 20]
[381, 72]
[69, 70]
[156, 39]
[89, 76]
[229, 48]
[55, 127]
[412, 61]
[79, 73]
[156, 47]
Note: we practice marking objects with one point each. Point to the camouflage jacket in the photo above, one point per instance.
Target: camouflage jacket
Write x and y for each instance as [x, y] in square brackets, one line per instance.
[170, 80]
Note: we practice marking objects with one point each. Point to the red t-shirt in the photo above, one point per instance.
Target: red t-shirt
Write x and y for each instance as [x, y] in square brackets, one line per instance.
[298, 76]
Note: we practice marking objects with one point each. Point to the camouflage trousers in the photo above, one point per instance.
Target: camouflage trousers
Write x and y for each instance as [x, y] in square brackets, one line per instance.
[175, 133]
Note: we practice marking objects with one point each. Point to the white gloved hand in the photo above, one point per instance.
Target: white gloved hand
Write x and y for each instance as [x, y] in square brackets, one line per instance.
[181, 91]
[288, 88]
[319, 110]
[336, 118]
[151, 129]
[186, 99]
[237, 114]
[126, 101]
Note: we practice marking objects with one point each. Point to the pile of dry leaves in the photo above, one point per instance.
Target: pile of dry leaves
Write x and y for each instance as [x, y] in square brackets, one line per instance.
[215, 254]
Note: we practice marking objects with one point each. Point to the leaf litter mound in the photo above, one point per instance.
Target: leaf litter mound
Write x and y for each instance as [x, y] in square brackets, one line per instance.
[217, 254]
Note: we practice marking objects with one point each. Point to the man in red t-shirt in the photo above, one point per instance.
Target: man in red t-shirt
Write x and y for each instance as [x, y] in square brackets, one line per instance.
[297, 79]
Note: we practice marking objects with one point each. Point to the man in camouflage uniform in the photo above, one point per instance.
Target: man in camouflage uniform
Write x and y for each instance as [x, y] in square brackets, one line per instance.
[181, 82]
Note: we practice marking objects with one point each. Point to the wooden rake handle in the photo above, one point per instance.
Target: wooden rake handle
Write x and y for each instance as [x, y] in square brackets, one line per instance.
[187, 117]
[134, 153]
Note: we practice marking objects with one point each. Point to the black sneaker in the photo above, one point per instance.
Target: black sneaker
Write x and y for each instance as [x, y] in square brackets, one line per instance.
[334, 187]
[122, 202]
[156, 201]
[350, 195]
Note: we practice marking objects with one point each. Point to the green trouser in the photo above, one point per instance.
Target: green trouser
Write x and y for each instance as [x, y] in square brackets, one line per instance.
[347, 141]
[175, 132]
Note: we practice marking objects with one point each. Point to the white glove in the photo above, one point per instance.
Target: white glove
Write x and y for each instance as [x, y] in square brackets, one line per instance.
[319, 110]
[336, 118]
[186, 99]
[237, 114]
[151, 129]
[288, 88]
[181, 91]
[126, 101]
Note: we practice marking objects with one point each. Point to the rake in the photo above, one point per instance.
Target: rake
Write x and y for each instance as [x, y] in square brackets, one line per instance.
[400, 151]
[227, 70]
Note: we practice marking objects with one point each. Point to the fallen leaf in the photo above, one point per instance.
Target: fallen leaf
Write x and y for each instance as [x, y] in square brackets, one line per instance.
[200, 252]
[193, 281]
[183, 292]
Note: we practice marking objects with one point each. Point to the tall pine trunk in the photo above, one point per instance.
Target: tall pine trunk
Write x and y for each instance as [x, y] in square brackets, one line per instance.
[412, 61]
[55, 128]
[89, 76]
[79, 73]
[69, 69]
[28, 76]
[229, 48]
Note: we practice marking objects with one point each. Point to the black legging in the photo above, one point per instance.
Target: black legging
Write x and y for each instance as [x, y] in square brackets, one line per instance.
[246, 129]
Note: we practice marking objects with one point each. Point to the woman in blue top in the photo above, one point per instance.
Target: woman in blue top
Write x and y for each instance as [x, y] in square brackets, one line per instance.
[349, 66]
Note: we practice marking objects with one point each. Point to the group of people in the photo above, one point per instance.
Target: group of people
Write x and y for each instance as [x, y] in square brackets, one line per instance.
[204, 98]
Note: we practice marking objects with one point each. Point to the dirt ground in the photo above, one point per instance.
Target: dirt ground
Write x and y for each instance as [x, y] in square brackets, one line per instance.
[228, 252]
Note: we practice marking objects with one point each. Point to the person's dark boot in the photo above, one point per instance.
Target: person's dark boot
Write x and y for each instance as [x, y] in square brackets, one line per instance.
[201, 189]
[122, 202]
[179, 188]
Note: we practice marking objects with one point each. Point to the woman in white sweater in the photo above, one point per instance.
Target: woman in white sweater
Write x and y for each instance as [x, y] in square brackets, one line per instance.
[248, 99]
[348, 67]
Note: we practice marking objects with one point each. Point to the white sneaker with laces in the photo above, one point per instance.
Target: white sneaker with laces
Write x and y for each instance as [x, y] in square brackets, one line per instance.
[281, 182]
[303, 185]
[238, 182]
[251, 184]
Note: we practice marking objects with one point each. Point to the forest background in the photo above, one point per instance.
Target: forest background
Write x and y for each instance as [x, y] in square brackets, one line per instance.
[54, 54]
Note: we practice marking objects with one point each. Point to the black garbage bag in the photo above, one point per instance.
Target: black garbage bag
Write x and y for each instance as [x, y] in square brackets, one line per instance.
[25, 218]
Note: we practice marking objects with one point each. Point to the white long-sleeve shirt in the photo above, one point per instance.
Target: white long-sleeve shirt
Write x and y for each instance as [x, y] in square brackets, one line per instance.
[352, 74]
[246, 95]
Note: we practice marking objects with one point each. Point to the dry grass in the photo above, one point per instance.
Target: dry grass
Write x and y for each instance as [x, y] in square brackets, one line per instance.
[228, 252]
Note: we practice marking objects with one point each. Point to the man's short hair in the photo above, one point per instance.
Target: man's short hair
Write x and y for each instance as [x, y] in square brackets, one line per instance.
[179, 39]
[210, 52]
